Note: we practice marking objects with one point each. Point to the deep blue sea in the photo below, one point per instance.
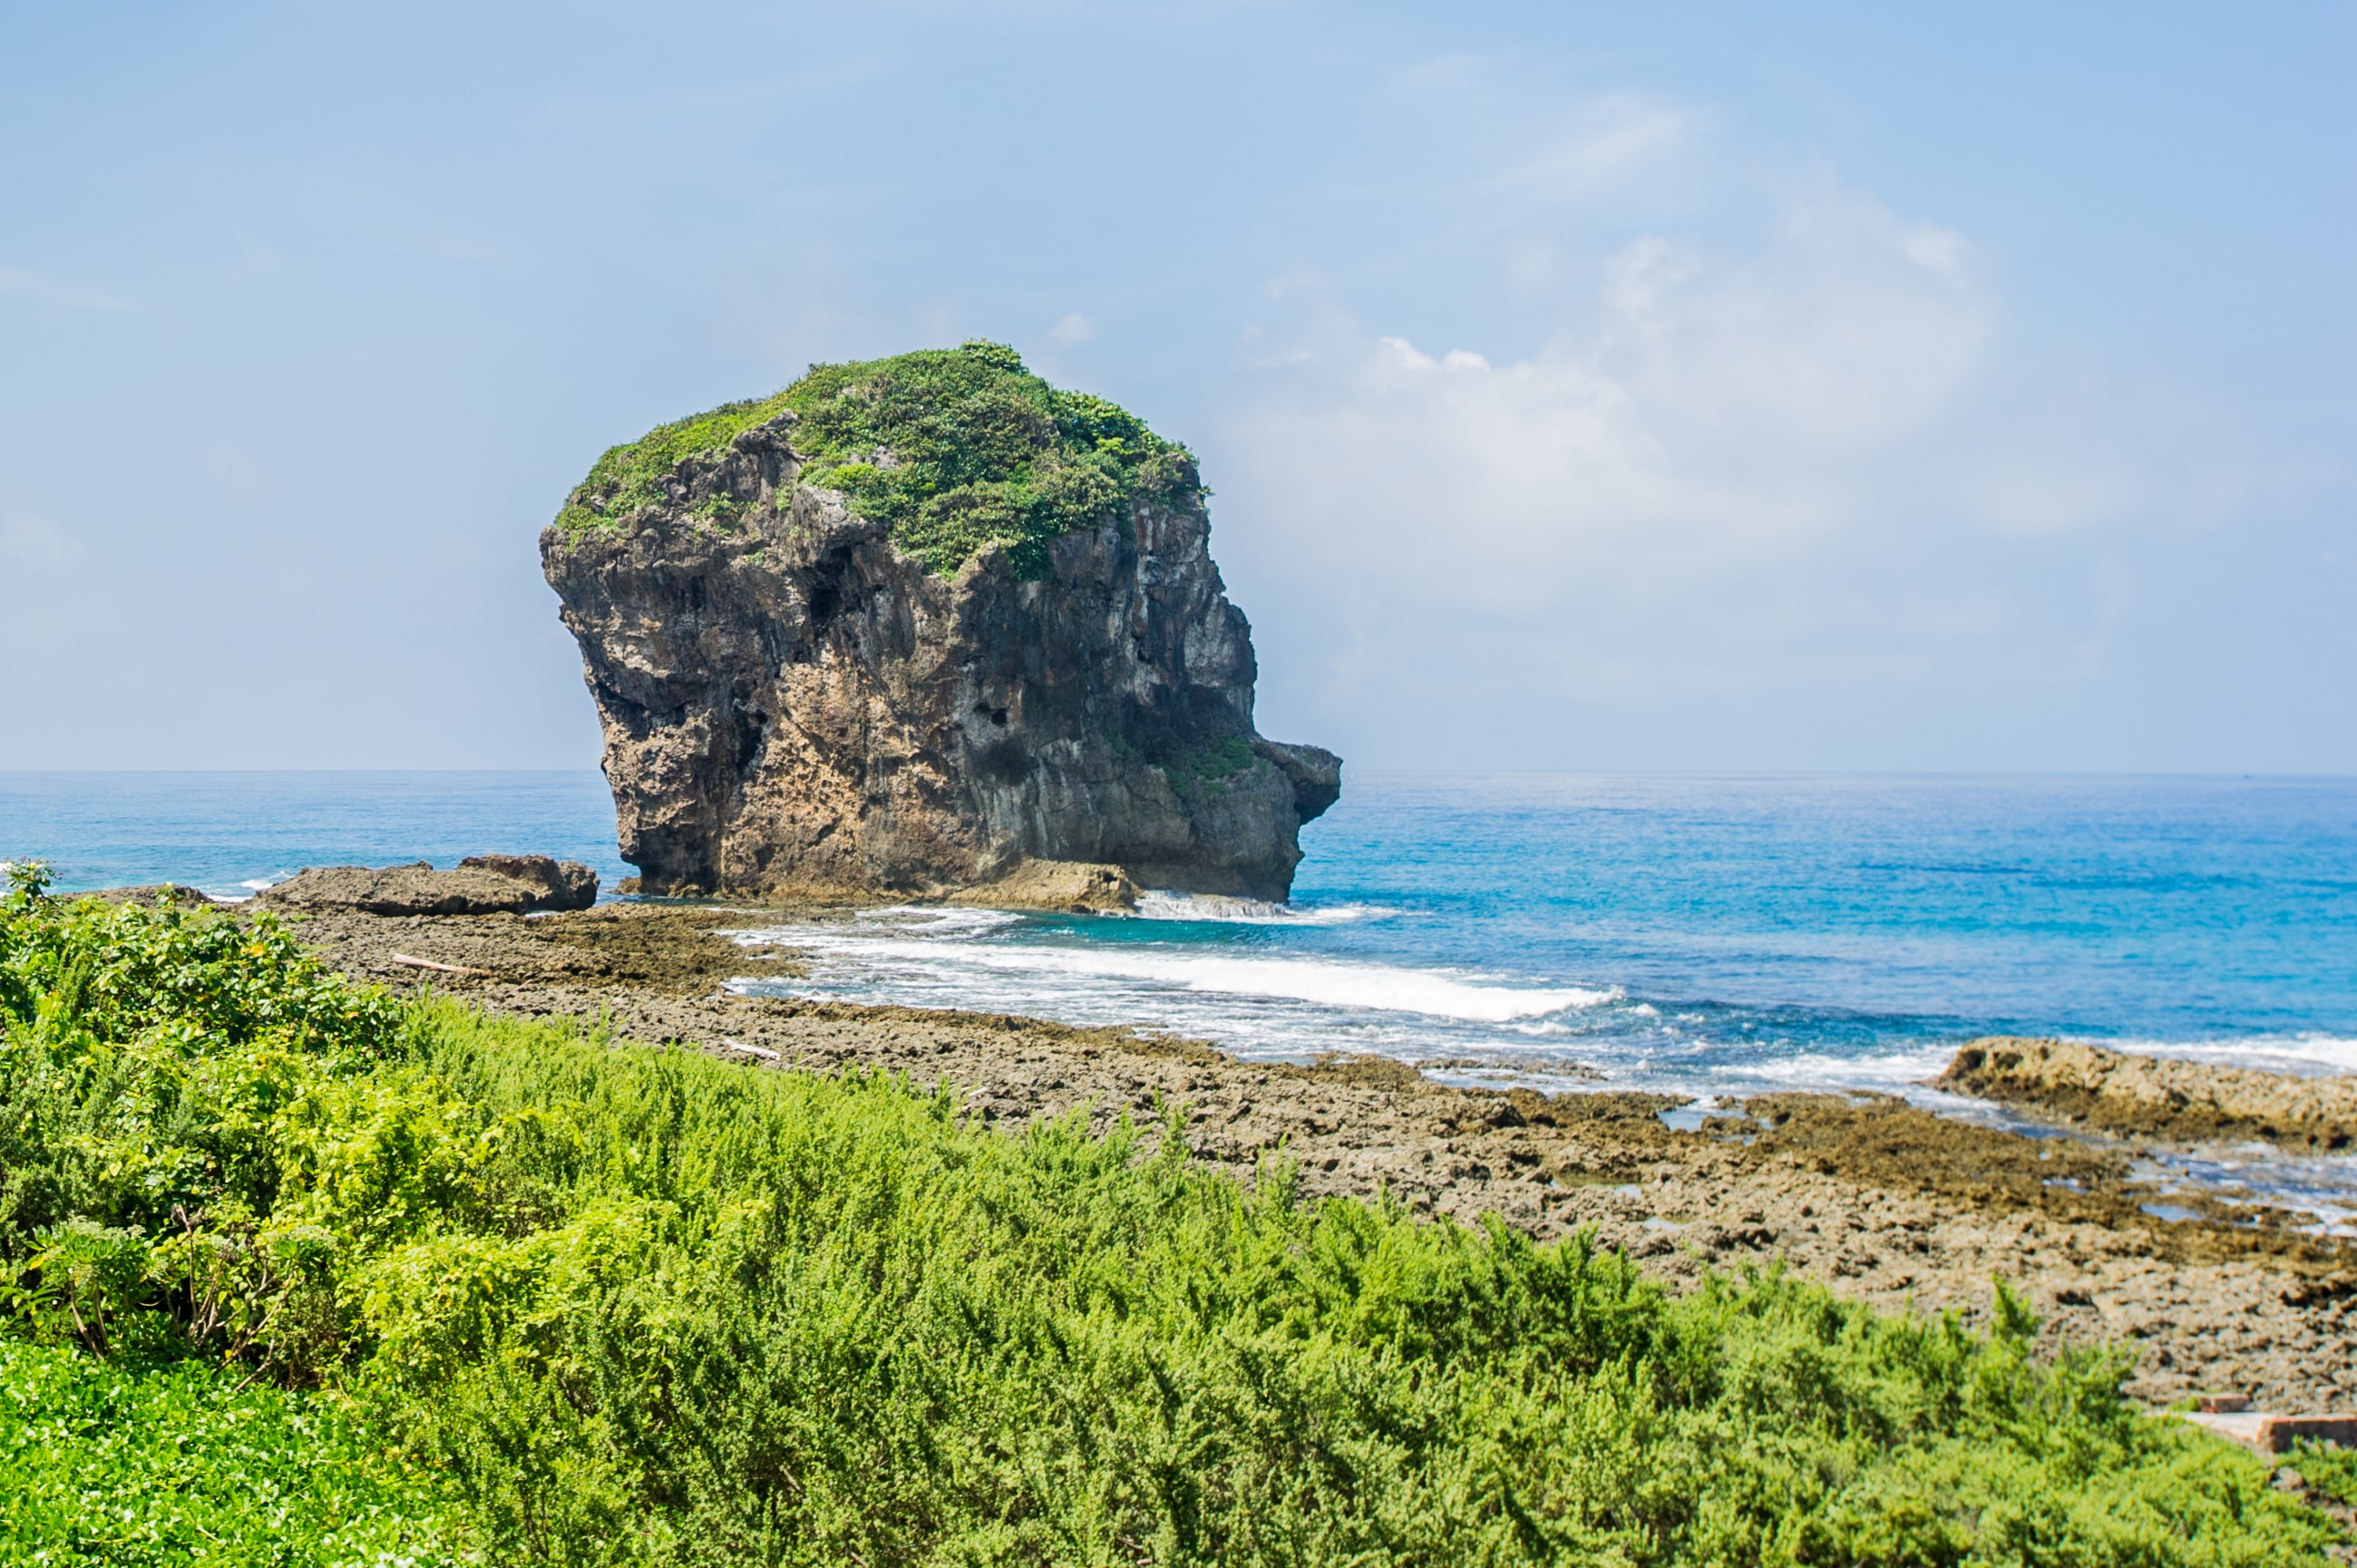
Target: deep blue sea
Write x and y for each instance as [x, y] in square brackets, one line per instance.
[1711, 935]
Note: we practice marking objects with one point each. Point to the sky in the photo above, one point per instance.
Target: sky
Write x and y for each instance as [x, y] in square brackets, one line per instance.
[1580, 387]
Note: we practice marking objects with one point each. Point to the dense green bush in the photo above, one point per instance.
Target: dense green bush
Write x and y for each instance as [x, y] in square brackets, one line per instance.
[638, 1305]
[2331, 1470]
[952, 449]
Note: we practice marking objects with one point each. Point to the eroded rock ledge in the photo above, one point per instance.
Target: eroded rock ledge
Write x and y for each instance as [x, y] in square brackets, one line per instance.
[2113, 1092]
[481, 885]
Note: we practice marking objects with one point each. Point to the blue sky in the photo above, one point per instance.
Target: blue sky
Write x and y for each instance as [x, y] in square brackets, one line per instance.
[1582, 387]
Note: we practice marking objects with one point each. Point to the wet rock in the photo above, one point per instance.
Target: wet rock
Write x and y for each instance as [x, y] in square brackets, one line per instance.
[1056, 885]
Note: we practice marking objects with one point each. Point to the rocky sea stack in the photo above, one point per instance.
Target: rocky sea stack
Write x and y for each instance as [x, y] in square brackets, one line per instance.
[924, 626]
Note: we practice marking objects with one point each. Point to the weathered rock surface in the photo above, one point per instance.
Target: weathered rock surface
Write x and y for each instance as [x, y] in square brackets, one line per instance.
[2113, 1091]
[568, 884]
[793, 704]
[483, 885]
[178, 893]
[1056, 885]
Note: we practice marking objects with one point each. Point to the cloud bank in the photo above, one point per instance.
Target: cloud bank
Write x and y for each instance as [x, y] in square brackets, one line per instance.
[1803, 490]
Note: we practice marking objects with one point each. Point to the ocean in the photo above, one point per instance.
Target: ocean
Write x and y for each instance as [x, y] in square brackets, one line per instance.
[1713, 936]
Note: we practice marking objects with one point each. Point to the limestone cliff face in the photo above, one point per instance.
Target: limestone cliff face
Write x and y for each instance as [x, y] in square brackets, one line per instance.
[791, 703]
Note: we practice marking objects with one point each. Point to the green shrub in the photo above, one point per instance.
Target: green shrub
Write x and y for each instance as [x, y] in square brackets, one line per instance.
[629, 480]
[952, 449]
[2331, 1470]
[1208, 766]
[147, 1059]
[176, 1464]
[637, 1305]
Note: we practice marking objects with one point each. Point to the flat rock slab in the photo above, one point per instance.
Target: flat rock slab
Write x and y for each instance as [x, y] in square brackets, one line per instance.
[483, 885]
[2276, 1434]
[2118, 1092]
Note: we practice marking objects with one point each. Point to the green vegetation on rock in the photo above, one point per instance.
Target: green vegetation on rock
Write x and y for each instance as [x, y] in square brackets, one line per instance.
[1210, 766]
[629, 480]
[953, 449]
[638, 1306]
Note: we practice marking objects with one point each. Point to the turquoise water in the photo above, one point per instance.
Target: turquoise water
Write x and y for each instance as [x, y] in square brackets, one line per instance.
[230, 833]
[1710, 935]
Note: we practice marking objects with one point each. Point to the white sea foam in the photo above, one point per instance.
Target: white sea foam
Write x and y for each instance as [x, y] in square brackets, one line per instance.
[1887, 1070]
[2313, 1055]
[1156, 905]
[240, 892]
[923, 943]
[935, 920]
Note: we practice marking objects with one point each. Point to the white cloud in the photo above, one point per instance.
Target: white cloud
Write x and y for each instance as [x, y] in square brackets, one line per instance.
[35, 542]
[1709, 398]
[63, 292]
[1757, 481]
[1835, 334]
[1072, 328]
[1609, 147]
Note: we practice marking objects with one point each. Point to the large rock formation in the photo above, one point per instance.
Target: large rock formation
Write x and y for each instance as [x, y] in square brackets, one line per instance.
[795, 700]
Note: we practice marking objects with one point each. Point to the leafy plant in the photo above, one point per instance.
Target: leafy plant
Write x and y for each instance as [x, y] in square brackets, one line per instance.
[955, 450]
[638, 1305]
[147, 1057]
[1212, 764]
[91, 1274]
[172, 1464]
[2331, 1470]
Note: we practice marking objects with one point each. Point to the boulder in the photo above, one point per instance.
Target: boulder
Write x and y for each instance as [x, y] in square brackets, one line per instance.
[569, 884]
[1063, 884]
[483, 885]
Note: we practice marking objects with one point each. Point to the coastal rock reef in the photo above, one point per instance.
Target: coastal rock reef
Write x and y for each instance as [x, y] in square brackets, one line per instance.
[479, 885]
[2121, 1093]
[924, 626]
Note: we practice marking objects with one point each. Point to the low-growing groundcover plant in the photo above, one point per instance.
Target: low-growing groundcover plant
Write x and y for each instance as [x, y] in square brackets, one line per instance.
[176, 1463]
[578, 1302]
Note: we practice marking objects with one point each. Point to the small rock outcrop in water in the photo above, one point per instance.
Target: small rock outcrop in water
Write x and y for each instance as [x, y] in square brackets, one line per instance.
[924, 626]
[2113, 1091]
[178, 893]
[483, 885]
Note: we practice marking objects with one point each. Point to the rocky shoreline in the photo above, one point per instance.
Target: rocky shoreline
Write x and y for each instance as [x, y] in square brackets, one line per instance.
[1883, 1201]
[2153, 1097]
